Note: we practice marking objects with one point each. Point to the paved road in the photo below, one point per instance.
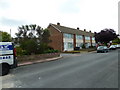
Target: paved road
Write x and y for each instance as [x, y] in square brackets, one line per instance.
[91, 70]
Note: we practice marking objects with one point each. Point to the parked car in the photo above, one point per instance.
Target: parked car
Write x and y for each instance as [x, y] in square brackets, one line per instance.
[118, 46]
[113, 47]
[8, 58]
[102, 49]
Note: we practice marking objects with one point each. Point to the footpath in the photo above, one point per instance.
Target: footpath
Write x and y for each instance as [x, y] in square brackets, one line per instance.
[49, 59]
[38, 61]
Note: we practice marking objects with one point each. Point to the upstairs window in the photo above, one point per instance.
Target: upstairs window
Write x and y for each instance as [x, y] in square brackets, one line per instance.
[87, 38]
[70, 36]
[93, 38]
[79, 37]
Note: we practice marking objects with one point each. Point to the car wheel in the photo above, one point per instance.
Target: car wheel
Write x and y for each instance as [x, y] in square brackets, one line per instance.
[5, 69]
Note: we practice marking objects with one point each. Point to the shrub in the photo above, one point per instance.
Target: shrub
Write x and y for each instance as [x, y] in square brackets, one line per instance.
[51, 51]
[114, 43]
[83, 46]
[30, 46]
[20, 51]
[42, 48]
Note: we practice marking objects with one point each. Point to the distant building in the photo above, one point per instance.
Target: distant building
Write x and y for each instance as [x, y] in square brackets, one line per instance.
[66, 39]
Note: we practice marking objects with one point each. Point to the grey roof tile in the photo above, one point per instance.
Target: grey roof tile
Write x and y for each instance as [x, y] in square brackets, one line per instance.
[64, 29]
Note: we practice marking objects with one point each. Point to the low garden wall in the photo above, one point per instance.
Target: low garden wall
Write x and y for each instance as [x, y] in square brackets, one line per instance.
[37, 57]
[81, 50]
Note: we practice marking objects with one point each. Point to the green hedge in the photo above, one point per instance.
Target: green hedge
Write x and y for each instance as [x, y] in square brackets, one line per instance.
[51, 51]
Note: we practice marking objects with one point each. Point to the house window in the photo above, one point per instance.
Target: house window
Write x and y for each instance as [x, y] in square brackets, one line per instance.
[70, 45]
[87, 45]
[93, 44]
[78, 37]
[87, 38]
[68, 35]
[93, 38]
[79, 44]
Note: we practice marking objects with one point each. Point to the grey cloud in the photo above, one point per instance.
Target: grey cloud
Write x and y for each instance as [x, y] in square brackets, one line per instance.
[11, 22]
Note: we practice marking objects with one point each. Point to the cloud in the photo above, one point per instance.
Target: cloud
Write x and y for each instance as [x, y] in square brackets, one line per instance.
[70, 6]
[4, 4]
[93, 15]
[11, 22]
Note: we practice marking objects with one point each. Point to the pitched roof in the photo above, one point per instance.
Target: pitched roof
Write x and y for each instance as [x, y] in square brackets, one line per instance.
[64, 29]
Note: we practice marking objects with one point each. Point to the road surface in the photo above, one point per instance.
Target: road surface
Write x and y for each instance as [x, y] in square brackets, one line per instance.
[90, 70]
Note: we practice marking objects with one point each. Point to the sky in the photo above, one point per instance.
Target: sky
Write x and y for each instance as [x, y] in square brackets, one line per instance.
[93, 15]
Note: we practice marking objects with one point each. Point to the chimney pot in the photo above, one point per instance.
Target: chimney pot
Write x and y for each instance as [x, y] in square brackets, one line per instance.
[58, 23]
[94, 32]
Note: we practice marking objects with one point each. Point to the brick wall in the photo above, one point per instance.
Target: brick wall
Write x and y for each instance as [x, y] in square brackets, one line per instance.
[36, 57]
[91, 40]
[83, 39]
[56, 38]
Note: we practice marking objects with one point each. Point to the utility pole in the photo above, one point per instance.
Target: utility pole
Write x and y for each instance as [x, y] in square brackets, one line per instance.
[10, 35]
[10, 32]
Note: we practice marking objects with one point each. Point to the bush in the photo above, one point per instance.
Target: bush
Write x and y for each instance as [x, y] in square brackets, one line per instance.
[20, 51]
[42, 48]
[51, 51]
[30, 46]
[91, 46]
[114, 43]
[83, 46]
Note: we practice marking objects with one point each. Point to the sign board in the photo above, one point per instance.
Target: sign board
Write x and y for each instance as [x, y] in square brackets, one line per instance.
[6, 52]
[6, 48]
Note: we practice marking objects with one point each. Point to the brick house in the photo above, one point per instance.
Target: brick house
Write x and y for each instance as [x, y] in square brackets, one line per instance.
[66, 39]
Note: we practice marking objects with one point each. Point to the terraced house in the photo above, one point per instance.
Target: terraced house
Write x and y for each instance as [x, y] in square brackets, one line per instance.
[66, 39]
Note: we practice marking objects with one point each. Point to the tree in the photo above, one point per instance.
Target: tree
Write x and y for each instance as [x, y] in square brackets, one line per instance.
[45, 36]
[33, 38]
[105, 36]
[5, 37]
[30, 46]
[117, 40]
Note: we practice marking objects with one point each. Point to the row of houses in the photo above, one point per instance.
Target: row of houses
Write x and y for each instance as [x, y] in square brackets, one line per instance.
[66, 39]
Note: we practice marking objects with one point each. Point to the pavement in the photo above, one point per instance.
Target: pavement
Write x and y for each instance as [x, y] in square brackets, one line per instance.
[52, 59]
[39, 61]
[90, 70]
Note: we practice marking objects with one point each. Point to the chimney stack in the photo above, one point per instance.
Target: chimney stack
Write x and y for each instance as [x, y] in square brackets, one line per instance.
[94, 32]
[58, 23]
[77, 28]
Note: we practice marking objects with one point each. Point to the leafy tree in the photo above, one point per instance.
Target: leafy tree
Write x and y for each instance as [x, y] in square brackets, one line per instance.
[5, 37]
[105, 36]
[32, 38]
[45, 36]
[30, 46]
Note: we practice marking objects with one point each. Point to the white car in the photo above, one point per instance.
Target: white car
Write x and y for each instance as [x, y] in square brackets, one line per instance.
[118, 45]
[112, 47]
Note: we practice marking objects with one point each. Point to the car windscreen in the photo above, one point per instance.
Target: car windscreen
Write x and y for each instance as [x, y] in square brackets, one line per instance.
[101, 47]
